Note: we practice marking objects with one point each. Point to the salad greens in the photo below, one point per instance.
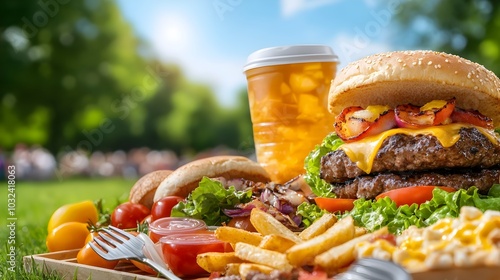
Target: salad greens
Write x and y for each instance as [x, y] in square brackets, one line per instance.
[208, 201]
[312, 165]
[383, 212]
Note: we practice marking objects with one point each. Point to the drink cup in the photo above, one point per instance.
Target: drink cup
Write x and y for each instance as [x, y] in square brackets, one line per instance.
[288, 96]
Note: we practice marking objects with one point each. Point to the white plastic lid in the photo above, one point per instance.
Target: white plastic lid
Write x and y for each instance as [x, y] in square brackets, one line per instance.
[290, 54]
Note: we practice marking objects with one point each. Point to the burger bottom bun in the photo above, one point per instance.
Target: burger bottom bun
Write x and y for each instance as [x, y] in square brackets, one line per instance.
[144, 189]
[417, 93]
[187, 177]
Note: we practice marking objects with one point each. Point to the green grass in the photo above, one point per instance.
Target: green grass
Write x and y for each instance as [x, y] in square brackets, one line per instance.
[35, 203]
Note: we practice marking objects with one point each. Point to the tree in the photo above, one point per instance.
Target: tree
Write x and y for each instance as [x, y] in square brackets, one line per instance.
[467, 28]
[64, 65]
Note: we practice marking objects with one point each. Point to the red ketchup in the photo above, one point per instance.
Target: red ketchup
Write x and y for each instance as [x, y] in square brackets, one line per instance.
[174, 225]
[180, 251]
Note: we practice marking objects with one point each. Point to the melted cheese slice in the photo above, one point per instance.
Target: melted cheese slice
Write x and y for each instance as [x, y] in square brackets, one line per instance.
[363, 152]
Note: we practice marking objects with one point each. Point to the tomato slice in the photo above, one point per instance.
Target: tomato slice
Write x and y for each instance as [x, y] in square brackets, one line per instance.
[334, 204]
[472, 117]
[410, 195]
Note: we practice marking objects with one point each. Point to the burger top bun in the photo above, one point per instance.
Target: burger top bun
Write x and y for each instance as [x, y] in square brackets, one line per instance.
[416, 77]
[186, 178]
[144, 189]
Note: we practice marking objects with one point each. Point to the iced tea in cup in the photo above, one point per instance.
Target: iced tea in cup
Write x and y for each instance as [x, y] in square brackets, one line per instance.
[288, 94]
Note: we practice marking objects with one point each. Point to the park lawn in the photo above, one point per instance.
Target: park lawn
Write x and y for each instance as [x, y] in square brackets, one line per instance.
[35, 202]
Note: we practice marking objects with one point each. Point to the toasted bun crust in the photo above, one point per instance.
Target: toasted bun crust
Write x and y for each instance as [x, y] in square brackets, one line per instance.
[186, 178]
[416, 77]
[144, 189]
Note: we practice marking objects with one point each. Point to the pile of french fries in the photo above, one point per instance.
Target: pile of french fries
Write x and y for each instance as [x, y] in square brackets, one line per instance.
[327, 244]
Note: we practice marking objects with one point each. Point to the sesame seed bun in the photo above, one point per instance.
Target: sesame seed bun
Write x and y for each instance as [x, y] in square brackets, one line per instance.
[187, 177]
[416, 77]
[144, 189]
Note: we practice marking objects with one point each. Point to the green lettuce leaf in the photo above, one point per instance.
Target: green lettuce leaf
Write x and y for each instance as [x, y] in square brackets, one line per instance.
[208, 201]
[309, 212]
[312, 165]
[384, 212]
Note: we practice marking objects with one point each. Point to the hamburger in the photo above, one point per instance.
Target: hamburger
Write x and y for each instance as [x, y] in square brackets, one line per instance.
[408, 121]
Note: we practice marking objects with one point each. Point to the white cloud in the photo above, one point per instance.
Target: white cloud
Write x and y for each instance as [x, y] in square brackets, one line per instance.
[292, 7]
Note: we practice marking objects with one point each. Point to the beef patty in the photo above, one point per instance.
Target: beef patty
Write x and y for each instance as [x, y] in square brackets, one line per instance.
[400, 153]
[370, 186]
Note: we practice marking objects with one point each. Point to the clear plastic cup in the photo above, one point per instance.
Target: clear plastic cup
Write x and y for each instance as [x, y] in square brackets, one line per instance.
[180, 251]
[288, 95]
[174, 225]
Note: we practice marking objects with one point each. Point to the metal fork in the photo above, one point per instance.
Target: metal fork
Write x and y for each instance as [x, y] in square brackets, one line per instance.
[117, 244]
[374, 269]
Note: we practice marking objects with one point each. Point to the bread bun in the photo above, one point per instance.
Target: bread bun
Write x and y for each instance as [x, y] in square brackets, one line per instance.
[144, 189]
[416, 77]
[186, 178]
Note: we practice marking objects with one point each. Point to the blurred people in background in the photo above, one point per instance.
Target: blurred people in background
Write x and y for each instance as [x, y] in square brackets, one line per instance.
[36, 163]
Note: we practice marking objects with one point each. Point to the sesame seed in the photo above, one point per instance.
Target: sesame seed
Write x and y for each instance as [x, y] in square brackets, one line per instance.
[475, 87]
[399, 60]
[404, 64]
[414, 63]
[456, 72]
[420, 62]
[429, 63]
[447, 61]
[469, 76]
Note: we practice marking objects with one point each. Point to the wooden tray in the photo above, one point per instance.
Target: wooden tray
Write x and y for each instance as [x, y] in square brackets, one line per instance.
[64, 262]
[475, 273]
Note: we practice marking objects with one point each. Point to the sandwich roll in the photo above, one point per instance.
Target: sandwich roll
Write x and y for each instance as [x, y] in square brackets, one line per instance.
[187, 177]
[144, 189]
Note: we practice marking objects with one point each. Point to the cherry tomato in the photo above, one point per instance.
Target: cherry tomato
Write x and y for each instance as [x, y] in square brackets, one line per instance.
[88, 256]
[140, 265]
[82, 212]
[334, 204]
[70, 235]
[128, 214]
[417, 194]
[163, 207]
[242, 223]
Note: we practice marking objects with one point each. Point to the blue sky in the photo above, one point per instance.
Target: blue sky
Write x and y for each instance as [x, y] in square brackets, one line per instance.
[211, 39]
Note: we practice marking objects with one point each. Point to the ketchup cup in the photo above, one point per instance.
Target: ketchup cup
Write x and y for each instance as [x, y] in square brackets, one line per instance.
[174, 225]
[180, 251]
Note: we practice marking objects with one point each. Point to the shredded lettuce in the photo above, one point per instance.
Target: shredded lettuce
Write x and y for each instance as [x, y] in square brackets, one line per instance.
[384, 212]
[312, 165]
[309, 212]
[208, 201]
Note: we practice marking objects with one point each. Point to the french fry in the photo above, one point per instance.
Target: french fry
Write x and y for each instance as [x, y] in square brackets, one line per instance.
[246, 268]
[266, 224]
[232, 269]
[304, 253]
[358, 231]
[262, 256]
[319, 226]
[216, 262]
[342, 255]
[276, 243]
[234, 235]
